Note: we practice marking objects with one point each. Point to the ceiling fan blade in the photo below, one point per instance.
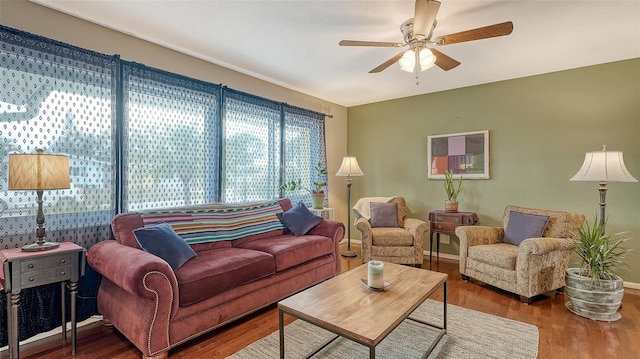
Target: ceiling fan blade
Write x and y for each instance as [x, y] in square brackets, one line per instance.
[387, 63]
[370, 43]
[424, 16]
[443, 61]
[485, 32]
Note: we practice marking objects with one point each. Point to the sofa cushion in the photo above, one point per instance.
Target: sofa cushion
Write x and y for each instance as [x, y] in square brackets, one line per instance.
[386, 236]
[523, 226]
[162, 241]
[290, 251]
[501, 255]
[384, 214]
[299, 220]
[218, 270]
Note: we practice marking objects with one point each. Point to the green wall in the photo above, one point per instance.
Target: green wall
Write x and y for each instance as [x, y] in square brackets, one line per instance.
[540, 128]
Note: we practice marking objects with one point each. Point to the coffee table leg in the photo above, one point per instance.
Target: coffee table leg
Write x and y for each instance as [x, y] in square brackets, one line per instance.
[281, 329]
[444, 324]
[372, 352]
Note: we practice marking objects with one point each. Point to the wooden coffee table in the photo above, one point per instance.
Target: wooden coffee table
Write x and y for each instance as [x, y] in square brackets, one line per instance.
[344, 306]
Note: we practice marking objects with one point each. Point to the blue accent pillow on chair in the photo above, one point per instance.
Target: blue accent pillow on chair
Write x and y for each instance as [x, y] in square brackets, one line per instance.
[384, 214]
[162, 241]
[522, 226]
[299, 220]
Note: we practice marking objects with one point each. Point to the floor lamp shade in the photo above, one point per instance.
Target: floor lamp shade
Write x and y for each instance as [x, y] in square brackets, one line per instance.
[348, 169]
[603, 166]
[39, 172]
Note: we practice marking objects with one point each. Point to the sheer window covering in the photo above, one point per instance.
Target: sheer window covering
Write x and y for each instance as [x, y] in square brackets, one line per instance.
[136, 138]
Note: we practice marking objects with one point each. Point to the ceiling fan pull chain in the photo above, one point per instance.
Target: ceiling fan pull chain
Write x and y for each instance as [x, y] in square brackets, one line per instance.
[417, 68]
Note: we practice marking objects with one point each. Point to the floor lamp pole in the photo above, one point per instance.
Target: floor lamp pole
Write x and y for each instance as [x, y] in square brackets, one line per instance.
[349, 253]
[603, 203]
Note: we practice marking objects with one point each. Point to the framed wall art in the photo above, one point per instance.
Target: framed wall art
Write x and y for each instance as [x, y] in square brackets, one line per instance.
[465, 154]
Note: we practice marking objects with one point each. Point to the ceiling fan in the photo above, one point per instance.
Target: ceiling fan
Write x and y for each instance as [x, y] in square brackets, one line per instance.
[418, 34]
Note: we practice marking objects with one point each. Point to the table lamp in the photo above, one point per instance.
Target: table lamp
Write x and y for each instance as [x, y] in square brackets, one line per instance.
[349, 168]
[603, 166]
[39, 172]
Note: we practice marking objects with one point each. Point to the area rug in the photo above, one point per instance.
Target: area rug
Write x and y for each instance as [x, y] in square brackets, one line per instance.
[470, 335]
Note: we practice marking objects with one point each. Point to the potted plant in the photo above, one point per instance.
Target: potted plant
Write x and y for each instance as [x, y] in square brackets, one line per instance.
[317, 193]
[453, 189]
[594, 291]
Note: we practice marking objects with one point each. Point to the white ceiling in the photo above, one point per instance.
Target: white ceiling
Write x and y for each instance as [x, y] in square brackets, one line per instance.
[294, 43]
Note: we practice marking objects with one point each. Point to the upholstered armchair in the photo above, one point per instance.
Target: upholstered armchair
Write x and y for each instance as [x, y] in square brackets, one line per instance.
[386, 233]
[527, 256]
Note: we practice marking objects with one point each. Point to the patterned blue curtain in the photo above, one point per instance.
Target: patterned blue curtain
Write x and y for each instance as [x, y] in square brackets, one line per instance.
[136, 138]
[61, 99]
[251, 148]
[170, 139]
[304, 149]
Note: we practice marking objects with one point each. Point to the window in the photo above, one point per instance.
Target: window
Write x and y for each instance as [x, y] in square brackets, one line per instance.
[59, 99]
[170, 142]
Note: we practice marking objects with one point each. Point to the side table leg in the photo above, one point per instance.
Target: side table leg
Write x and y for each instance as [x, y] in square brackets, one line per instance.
[438, 247]
[14, 342]
[63, 310]
[430, 246]
[73, 288]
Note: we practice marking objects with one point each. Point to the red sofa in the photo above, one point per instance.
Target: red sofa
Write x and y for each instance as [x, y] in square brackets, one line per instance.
[157, 308]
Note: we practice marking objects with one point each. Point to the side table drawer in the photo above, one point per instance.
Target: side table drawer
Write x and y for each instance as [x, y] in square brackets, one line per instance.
[445, 227]
[456, 220]
[53, 275]
[39, 264]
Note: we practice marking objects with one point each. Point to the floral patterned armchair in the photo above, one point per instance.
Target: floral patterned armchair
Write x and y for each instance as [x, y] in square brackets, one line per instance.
[534, 266]
[387, 234]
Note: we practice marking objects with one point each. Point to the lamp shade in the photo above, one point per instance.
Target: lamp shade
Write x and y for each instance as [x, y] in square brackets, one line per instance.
[38, 171]
[603, 166]
[349, 167]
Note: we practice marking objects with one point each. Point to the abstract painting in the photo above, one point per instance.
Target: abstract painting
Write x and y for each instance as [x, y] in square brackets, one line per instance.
[465, 154]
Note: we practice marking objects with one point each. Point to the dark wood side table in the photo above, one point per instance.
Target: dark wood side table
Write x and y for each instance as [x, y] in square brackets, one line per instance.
[443, 222]
[23, 270]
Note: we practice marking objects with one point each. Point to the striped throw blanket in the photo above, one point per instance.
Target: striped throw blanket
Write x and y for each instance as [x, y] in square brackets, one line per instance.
[218, 222]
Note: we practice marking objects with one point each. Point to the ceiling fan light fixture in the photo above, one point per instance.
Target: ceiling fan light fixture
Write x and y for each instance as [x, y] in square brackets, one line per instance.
[408, 61]
[427, 59]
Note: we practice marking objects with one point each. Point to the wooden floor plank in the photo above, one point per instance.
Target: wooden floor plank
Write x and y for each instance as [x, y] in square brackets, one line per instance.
[562, 334]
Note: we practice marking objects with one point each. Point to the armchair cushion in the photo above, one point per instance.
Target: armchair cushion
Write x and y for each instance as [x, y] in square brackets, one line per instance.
[162, 241]
[384, 214]
[522, 226]
[299, 220]
[386, 236]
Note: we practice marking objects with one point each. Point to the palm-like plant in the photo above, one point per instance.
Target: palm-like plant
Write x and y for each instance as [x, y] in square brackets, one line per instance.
[452, 189]
[600, 253]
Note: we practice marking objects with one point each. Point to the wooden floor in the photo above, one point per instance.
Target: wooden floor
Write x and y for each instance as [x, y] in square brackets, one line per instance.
[562, 334]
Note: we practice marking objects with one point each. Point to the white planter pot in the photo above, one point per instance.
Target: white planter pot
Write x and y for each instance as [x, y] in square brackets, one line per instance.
[597, 302]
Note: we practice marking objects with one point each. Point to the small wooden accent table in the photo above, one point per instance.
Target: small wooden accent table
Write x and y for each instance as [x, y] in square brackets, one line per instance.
[22, 270]
[345, 293]
[446, 223]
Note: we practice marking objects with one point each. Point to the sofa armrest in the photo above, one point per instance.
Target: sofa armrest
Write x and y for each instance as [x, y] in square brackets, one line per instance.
[542, 263]
[544, 245]
[137, 272]
[417, 228]
[335, 231]
[470, 236]
[366, 237]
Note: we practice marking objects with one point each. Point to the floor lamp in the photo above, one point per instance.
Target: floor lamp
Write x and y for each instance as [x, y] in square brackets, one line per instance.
[38, 172]
[603, 166]
[349, 168]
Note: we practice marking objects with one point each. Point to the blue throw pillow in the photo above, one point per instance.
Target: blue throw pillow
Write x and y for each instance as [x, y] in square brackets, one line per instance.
[522, 226]
[161, 240]
[299, 220]
[384, 214]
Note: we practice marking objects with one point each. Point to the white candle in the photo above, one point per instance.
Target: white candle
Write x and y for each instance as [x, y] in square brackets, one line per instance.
[376, 278]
